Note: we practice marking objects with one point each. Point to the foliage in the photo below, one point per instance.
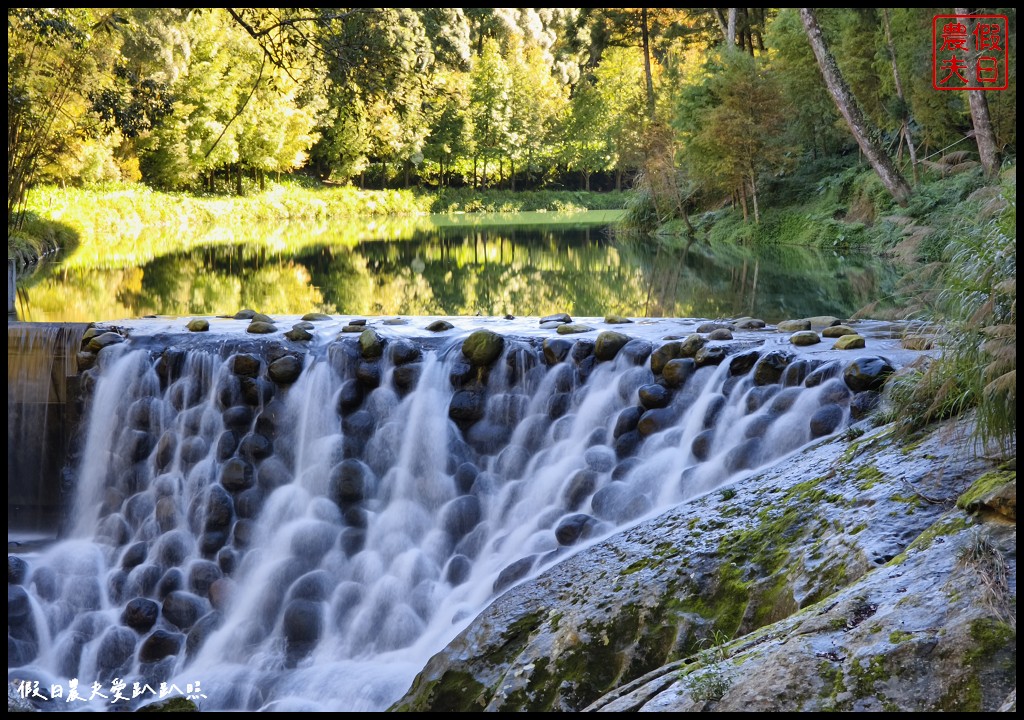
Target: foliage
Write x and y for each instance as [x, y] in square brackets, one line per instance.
[53, 56]
[977, 368]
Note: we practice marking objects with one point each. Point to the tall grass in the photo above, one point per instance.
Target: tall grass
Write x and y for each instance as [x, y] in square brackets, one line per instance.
[977, 367]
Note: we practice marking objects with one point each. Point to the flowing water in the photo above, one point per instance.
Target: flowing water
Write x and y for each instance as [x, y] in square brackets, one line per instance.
[284, 526]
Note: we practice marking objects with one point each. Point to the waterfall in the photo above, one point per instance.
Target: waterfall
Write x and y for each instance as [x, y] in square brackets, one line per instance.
[41, 370]
[302, 527]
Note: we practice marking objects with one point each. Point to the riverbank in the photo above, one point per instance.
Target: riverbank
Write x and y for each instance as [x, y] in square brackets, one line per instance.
[865, 573]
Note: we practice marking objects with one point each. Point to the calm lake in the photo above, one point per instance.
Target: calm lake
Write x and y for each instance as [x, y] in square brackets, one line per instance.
[528, 264]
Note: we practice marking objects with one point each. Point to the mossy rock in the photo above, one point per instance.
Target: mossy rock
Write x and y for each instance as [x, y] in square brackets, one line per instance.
[104, 340]
[439, 326]
[246, 314]
[573, 328]
[394, 321]
[616, 320]
[792, 326]
[836, 331]
[822, 321]
[483, 347]
[850, 342]
[198, 325]
[691, 346]
[260, 317]
[992, 492]
[90, 333]
[299, 335]
[371, 345]
[805, 337]
[608, 344]
[261, 328]
[315, 317]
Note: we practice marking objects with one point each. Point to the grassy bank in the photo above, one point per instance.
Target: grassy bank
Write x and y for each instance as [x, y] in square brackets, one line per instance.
[851, 209]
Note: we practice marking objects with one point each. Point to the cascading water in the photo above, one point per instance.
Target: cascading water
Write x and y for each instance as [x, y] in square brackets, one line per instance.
[301, 527]
[40, 366]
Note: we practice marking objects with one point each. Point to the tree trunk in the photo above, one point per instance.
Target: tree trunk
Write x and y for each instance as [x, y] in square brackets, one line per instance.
[984, 134]
[647, 65]
[905, 108]
[730, 32]
[743, 200]
[753, 194]
[847, 104]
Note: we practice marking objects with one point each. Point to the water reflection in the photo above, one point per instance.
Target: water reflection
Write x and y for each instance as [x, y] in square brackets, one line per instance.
[452, 265]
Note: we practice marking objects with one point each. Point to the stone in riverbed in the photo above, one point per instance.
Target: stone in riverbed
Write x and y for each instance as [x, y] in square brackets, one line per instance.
[572, 328]
[792, 326]
[749, 323]
[711, 327]
[483, 347]
[261, 328]
[556, 350]
[849, 342]
[198, 325]
[822, 321]
[297, 334]
[709, 356]
[608, 344]
[834, 331]
[867, 373]
[439, 326]
[805, 337]
[371, 345]
[315, 317]
[616, 320]
[104, 340]
[558, 317]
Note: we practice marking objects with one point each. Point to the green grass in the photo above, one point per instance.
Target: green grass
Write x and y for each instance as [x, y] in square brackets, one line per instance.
[976, 303]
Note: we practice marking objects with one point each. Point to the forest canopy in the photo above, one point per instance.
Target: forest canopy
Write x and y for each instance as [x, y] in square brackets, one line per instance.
[714, 103]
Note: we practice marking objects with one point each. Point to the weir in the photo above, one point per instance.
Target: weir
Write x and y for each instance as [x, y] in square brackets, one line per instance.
[42, 412]
[300, 524]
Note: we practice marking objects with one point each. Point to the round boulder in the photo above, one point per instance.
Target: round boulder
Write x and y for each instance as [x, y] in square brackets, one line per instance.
[867, 373]
[483, 347]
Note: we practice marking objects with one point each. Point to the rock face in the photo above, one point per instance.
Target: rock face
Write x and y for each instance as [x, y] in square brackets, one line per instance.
[844, 579]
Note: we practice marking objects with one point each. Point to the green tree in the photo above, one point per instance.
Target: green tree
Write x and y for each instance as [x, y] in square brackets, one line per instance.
[814, 123]
[585, 142]
[450, 138]
[537, 103]
[620, 81]
[735, 134]
[53, 56]
[490, 108]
